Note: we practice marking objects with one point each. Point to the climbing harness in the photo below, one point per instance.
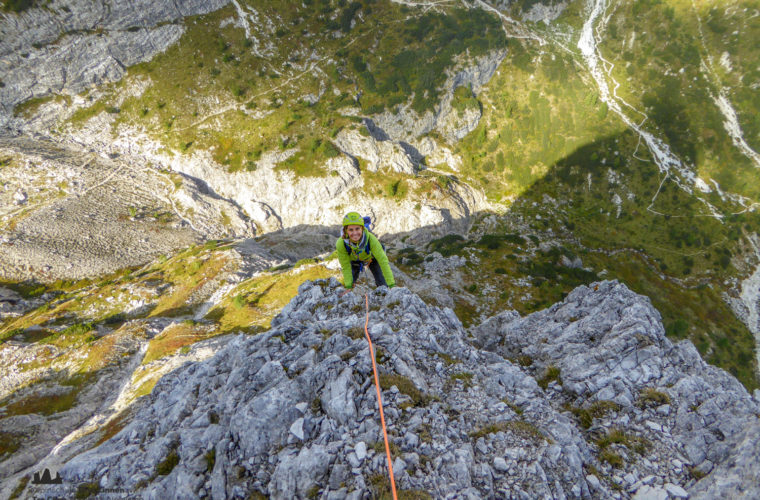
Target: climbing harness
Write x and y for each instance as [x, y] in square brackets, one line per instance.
[379, 399]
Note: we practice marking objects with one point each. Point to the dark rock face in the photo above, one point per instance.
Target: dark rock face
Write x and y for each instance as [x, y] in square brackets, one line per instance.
[293, 411]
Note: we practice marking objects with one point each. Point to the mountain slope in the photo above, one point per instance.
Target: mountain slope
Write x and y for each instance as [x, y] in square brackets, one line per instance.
[508, 152]
[293, 410]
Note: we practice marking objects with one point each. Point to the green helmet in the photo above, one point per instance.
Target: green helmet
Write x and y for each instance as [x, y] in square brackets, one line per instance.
[353, 218]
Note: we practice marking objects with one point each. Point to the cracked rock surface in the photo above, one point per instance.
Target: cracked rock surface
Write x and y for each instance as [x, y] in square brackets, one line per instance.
[293, 411]
[70, 45]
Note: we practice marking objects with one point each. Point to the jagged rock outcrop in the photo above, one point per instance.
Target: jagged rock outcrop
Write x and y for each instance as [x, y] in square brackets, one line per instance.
[292, 412]
[455, 126]
[545, 12]
[379, 154]
[70, 45]
[407, 125]
[608, 344]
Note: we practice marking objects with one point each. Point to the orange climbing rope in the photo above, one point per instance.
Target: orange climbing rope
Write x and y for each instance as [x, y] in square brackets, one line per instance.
[379, 399]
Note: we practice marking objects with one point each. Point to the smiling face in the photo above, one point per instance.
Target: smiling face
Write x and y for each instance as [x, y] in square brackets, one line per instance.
[354, 233]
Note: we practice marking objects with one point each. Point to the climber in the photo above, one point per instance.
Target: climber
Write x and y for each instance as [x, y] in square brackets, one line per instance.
[358, 247]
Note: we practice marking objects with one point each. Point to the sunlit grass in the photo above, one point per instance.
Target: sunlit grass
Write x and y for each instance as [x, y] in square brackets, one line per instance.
[252, 304]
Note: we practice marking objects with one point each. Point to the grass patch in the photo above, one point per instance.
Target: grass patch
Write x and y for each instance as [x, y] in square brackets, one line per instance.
[551, 374]
[187, 278]
[612, 458]
[262, 298]
[29, 108]
[210, 458]
[261, 109]
[113, 427]
[43, 404]
[102, 352]
[19, 489]
[465, 377]
[633, 443]
[166, 466]
[597, 409]
[521, 428]
[405, 386]
[650, 398]
[18, 5]
[381, 489]
[447, 359]
[9, 443]
[695, 473]
[464, 100]
[87, 490]
[379, 447]
[174, 338]
[450, 244]
[513, 406]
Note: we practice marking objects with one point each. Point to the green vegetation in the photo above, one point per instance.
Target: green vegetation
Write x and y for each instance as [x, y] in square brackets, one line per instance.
[464, 99]
[19, 489]
[187, 275]
[87, 490]
[679, 260]
[617, 437]
[679, 102]
[432, 37]
[113, 427]
[44, 404]
[650, 397]
[551, 374]
[174, 338]
[253, 303]
[536, 110]
[695, 473]
[259, 109]
[447, 359]
[521, 428]
[513, 406]
[313, 492]
[597, 409]
[164, 467]
[67, 301]
[27, 109]
[611, 458]
[405, 386]
[379, 447]
[210, 458]
[18, 5]
[448, 245]
[465, 377]
[9, 444]
[381, 489]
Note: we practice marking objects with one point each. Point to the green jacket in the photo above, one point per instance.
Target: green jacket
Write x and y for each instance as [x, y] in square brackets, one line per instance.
[358, 253]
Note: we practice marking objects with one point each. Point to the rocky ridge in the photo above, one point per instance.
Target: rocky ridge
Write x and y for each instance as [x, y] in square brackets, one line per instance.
[294, 410]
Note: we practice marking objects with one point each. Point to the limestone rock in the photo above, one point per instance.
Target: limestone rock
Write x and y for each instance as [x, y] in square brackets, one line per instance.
[499, 430]
[72, 45]
[405, 124]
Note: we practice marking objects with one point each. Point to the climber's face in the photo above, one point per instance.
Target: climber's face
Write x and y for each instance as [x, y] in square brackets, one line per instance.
[354, 233]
